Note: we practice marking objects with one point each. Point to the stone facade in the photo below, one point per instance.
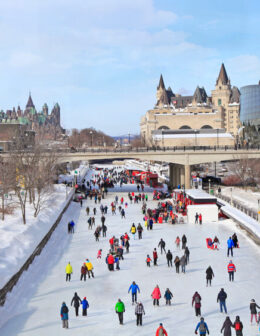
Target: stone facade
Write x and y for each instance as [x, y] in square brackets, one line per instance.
[198, 112]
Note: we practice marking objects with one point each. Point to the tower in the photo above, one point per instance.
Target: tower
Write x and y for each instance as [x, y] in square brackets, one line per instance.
[221, 94]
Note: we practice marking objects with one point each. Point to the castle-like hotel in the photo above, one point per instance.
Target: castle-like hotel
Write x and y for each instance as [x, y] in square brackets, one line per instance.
[197, 120]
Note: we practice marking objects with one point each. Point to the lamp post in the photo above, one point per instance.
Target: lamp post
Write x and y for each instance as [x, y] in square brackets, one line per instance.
[195, 131]
[128, 138]
[217, 138]
[231, 197]
[91, 138]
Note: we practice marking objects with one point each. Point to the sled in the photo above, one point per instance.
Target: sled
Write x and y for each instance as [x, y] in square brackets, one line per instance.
[210, 245]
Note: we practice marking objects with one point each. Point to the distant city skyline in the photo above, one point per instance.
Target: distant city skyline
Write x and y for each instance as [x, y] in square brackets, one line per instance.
[102, 60]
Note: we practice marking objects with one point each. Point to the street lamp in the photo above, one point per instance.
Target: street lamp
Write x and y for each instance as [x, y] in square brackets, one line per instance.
[128, 138]
[217, 138]
[231, 197]
[195, 131]
[91, 138]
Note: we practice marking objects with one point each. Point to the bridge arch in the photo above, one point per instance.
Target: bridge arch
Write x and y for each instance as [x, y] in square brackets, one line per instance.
[185, 127]
[206, 127]
[163, 128]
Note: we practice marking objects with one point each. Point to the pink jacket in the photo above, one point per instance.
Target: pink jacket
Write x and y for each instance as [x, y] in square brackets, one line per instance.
[156, 294]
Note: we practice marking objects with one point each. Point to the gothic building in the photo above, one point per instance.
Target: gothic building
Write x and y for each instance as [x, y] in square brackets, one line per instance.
[218, 114]
[46, 125]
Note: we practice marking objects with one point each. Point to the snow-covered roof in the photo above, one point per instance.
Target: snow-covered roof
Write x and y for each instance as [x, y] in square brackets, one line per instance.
[198, 193]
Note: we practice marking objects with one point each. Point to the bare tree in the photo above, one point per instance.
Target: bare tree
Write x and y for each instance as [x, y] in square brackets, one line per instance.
[7, 178]
[245, 169]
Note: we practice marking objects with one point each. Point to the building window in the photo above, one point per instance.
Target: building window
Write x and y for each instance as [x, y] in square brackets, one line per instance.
[219, 102]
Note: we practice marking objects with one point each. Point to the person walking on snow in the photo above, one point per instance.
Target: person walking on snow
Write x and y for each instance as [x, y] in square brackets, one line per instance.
[139, 312]
[162, 245]
[155, 257]
[89, 268]
[227, 325]
[83, 272]
[85, 306]
[64, 313]
[76, 301]
[253, 311]
[168, 296]
[133, 230]
[222, 296]
[230, 245]
[196, 218]
[187, 254]
[202, 327]
[184, 241]
[156, 295]
[148, 261]
[177, 242]
[238, 326]
[69, 271]
[183, 263]
[209, 275]
[99, 254]
[231, 269]
[177, 264]
[139, 230]
[161, 331]
[120, 309]
[197, 300]
[200, 218]
[169, 258]
[134, 288]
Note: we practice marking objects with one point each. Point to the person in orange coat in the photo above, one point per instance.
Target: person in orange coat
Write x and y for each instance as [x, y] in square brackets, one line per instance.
[231, 269]
[156, 295]
[161, 331]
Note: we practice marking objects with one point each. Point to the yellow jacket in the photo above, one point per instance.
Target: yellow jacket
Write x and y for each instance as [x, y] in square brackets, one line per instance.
[89, 266]
[69, 269]
[133, 229]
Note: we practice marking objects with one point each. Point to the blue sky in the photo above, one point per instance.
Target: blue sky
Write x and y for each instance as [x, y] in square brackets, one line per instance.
[101, 59]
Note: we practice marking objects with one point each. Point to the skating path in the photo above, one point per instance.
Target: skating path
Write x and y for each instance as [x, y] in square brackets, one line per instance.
[33, 307]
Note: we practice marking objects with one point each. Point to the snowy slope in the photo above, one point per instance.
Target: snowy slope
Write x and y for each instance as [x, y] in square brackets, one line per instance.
[33, 306]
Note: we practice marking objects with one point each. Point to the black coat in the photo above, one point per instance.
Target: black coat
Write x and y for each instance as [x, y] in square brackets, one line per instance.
[222, 295]
[209, 273]
[227, 327]
[253, 306]
[169, 256]
[184, 239]
[77, 301]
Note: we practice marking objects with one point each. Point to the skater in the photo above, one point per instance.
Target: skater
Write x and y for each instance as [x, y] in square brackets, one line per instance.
[231, 269]
[235, 240]
[89, 268]
[230, 245]
[183, 263]
[148, 261]
[227, 327]
[161, 331]
[162, 246]
[200, 218]
[197, 300]
[127, 245]
[83, 272]
[140, 230]
[69, 271]
[156, 295]
[122, 213]
[177, 242]
[103, 219]
[187, 254]
[81, 202]
[209, 275]
[253, 310]
[85, 306]
[196, 218]
[72, 225]
[169, 258]
[69, 227]
[90, 223]
[94, 211]
[64, 313]
[76, 301]
[155, 257]
[139, 312]
[110, 262]
[104, 230]
[134, 288]
[120, 309]
[97, 233]
[184, 242]
[99, 254]
[238, 326]
[222, 296]
[87, 210]
[168, 296]
[177, 264]
[133, 230]
[202, 327]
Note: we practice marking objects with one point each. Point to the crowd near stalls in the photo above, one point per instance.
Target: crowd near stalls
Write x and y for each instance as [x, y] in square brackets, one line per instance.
[155, 208]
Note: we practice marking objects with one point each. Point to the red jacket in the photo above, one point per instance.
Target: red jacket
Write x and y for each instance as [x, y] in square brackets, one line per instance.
[231, 267]
[155, 255]
[110, 259]
[158, 330]
[126, 237]
[111, 241]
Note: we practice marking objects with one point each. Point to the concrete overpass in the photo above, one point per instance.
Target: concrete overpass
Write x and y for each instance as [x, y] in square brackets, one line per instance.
[180, 160]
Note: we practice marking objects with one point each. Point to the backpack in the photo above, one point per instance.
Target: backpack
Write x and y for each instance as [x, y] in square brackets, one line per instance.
[65, 310]
[237, 326]
[202, 327]
[197, 299]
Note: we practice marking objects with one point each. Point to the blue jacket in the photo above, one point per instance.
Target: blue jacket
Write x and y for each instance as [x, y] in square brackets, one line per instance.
[72, 223]
[168, 295]
[64, 316]
[134, 289]
[230, 243]
[202, 332]
[85, 304]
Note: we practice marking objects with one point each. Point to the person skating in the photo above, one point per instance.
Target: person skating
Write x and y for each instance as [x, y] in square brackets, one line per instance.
[133, 230]
[168, 296]
[197, 300]
[227, 325]
[104, 230]
[120, 309]
[155, 257]
[184, 241]
[90, 223]
[103, 219]
[238, 326]
[177, 242]
[230, 245]
[231, 269]
[99, 254]
[110, 262]
[85, 306]
[89, 268]
[196, 218]
[127, 245]
[64, 313]
[200, 218]
[69, 271]
[235, 240]
[94, 211]
[134, 288]
[87, 210]
[177, 264]
[72, 226]
[122, 213]
[183, 263]
[76, 301]
[148, 260]
[156, 295]
[162, 246]
[253, 311]
[140, 231]
[139, 312]
[83, 272]
[161, 331]
[169, 258]
[202, 327]
[209, 275]
[187, 254]
[222, 296]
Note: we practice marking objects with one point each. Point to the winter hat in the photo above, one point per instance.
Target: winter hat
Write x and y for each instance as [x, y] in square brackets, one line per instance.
[161, 324]
[202, 318]
[252, 300]
[84, 298]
